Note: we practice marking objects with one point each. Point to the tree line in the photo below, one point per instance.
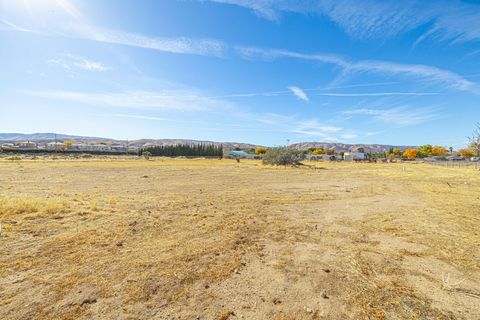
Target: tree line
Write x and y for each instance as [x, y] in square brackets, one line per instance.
[184, 150]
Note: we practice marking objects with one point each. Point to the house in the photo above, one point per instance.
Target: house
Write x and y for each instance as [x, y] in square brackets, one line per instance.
[54, 145]
[118, 147]
[99, 147]
[239, 155]
[355, 156]
[455, 158]
[435, 159]
[8, 146]
[324, 157]
[313, 157]
[80, 146]
[26, 145]
[328, 157]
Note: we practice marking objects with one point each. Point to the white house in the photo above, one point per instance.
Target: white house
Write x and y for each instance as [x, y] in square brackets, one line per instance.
[80, 146]
[8, 146]
[26, 145]
[118, 147]
[314, 157]
[54, 145]
[99, 147]
[355, 156]
[240, 155]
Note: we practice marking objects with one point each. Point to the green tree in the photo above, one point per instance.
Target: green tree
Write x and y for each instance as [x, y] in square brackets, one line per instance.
[425, 151]
[146, 155]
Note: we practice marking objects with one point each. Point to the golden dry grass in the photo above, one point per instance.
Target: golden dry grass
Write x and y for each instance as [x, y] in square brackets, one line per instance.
[111, 238]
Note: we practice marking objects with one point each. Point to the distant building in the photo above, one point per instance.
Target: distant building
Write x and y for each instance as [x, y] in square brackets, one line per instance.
[240, 155]
[435, 159]
[455, 158]
[99, 147]
[26, 145]
[118, 147]
[8, 146]
[324, 157]
[54, 145]
[355, 156]
[79, 147]
[313, 157]
[149, 145]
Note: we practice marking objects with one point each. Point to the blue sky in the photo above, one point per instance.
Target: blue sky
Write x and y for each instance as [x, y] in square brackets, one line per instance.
[393, 72]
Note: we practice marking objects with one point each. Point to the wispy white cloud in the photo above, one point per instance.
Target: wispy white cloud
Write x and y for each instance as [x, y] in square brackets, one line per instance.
[399, 116]
[135, 116]
[91, 65]
[270, 118]
[70, 62]
[143, 117]
[209, 47]
[473, 53]
[164, 100]
[419, 71]
[73, 24]
[374, 94]
[452, 20]
[6, 25]
[316, 128]
[182, 45]
[299, 93]
[349, 136]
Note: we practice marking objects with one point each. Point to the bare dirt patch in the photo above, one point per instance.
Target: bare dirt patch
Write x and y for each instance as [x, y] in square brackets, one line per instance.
[208, 239]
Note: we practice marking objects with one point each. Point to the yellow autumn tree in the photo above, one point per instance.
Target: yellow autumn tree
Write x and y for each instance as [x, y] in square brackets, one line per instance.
[67, 145]
[467, 153]
[410, 153]
[318, 151]
[439, 151]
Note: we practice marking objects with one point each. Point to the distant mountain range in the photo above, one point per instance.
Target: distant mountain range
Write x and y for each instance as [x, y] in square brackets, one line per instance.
[41, 136]
[48, 137]
[339, 147]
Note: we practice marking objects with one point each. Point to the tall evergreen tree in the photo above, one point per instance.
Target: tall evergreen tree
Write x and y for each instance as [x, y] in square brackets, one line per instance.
[185, 150]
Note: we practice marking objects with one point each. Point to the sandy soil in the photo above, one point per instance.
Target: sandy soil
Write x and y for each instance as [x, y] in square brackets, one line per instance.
[211, 239]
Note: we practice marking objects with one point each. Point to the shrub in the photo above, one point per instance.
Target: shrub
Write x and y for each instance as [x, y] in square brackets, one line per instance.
[283, 156]
[146, 155]
[14, 158]
[260, 150]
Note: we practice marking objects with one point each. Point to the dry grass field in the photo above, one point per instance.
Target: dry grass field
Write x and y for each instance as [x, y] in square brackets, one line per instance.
[114, 238]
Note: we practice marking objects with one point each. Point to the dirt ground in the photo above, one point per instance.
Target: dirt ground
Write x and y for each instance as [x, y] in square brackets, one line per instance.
[213, 239]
